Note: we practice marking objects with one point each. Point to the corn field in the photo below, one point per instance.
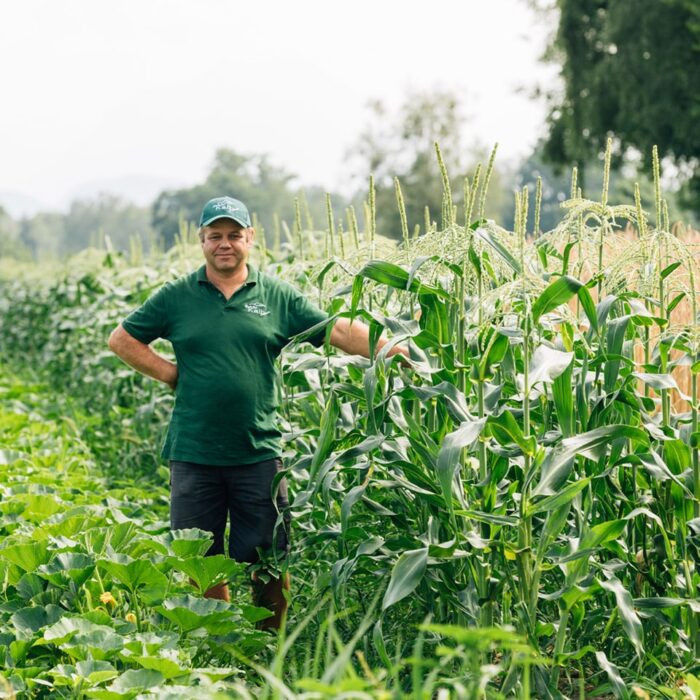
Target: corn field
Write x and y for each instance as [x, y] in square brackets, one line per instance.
[516, 514]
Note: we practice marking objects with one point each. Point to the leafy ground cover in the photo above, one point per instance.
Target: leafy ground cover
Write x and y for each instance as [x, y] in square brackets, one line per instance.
[516, 515]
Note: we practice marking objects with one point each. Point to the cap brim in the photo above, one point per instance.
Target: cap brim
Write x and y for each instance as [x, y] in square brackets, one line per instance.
[224, 216]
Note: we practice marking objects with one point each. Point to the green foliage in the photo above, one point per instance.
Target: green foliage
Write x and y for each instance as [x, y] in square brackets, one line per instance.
[632, 74]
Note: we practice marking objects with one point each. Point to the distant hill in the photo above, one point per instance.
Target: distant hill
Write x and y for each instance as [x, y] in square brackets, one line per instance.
[139, 189]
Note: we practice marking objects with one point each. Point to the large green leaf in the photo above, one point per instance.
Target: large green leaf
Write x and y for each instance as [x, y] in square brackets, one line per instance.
[28, 556]
[132, 682]
[190, 613]
[596, 536]
[98, 643]
[165, 665]
[90, 671]
[406, 575]
[190, 542]
[207, 571]
[66, 566]
[657, 381]
[134, 573]
[28, 621]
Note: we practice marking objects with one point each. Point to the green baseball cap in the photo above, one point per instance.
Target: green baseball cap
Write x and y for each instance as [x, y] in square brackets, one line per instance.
[224, 208]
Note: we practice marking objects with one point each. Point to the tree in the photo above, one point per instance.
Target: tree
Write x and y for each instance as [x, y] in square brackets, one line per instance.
[556, 188]
[265, 188]
[403, 146]
[630, 69]
[10, 244]
[43, 234]
[87, 222]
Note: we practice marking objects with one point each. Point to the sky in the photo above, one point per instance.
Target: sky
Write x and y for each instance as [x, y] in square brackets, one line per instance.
[99, 91]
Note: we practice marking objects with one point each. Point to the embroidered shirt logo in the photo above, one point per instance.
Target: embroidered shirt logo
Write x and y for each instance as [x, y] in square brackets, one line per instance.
[255, 307]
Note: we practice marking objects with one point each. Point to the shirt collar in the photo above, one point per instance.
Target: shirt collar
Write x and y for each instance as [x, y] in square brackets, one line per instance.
[252, 275]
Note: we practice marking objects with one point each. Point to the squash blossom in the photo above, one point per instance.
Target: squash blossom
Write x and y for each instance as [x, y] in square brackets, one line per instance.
[107, 598]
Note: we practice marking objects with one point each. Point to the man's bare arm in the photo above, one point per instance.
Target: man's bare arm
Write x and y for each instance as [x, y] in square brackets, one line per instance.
[353, 338]
[140, 356]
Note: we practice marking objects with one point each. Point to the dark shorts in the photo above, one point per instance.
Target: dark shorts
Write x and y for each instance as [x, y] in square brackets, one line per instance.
[206, 496]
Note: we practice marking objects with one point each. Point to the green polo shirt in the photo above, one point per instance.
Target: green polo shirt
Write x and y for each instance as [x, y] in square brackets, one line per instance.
[227, 389]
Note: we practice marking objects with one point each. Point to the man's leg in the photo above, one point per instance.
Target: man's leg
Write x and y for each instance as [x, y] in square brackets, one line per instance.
[271, 595]
[253, 518]
[198, 499]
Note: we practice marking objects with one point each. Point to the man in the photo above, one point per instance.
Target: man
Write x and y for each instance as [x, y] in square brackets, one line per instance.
[227, 323]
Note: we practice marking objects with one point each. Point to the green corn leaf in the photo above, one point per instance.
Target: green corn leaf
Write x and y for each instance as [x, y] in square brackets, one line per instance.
[326, 438]
[674, 302]
[448, 460]
[613, 673]
[547, 364]
[397, 278]
[656, 381]
[615, 339]
[496, 348]
[560, 499]
[588, 306]
[625, 607]
[669, 269]
[354, 495]
[563, 398]
[502, 251]
[379, 644]
[406, 575]
[557, 293]
[506, 430]
[592, 444]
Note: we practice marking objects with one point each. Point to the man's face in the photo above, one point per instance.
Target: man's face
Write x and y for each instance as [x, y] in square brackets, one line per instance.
[226, 244]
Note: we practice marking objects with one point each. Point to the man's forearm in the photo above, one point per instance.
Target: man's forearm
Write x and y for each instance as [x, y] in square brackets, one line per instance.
[142, 358]
[353, 338]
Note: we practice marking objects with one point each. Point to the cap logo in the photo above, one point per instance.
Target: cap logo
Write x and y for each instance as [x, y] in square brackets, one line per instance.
[225, 206]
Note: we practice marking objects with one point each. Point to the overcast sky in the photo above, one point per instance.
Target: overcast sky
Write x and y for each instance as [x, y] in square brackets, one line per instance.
[97, 90]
